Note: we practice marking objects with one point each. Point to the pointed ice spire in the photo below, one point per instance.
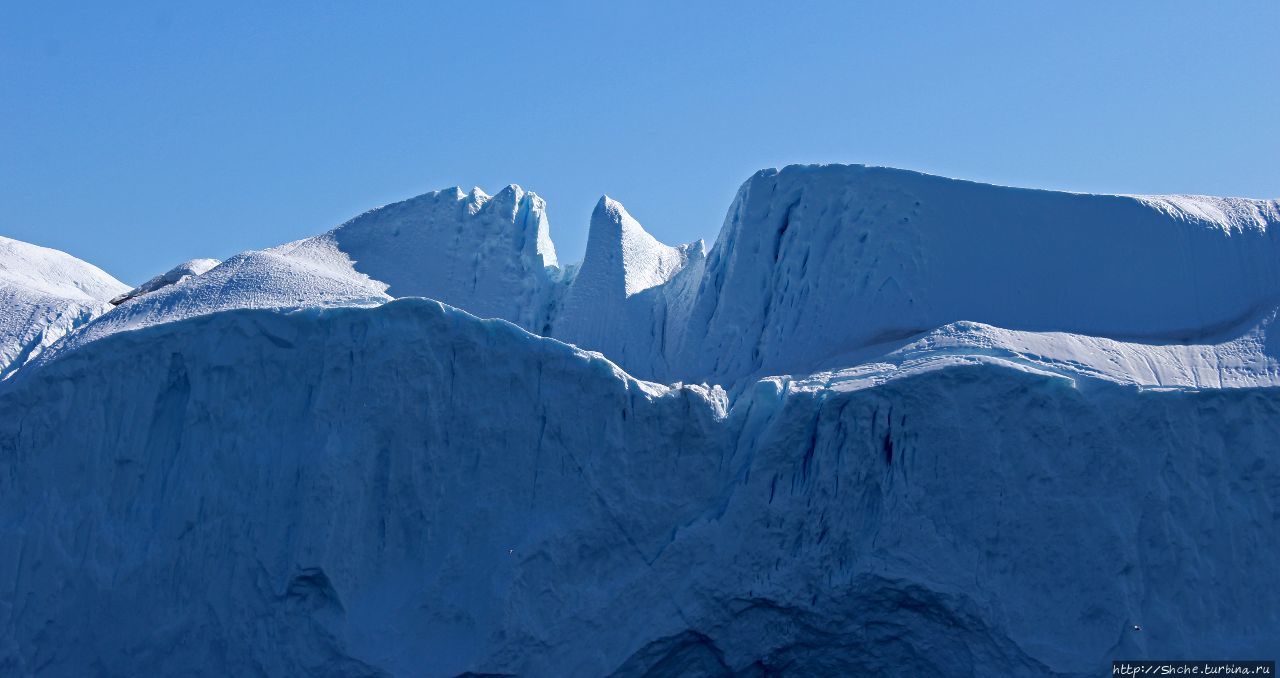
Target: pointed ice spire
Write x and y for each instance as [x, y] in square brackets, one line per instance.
[622, 258]
[620, 296]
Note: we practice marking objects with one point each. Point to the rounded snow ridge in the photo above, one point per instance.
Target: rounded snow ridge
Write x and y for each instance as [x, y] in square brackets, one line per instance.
[54, 272]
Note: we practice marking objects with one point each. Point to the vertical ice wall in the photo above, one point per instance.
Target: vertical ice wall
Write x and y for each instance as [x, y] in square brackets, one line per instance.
[815, 262]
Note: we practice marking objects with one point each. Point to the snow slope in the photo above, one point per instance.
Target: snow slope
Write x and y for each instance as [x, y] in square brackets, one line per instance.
[44, 294]
[947, 429]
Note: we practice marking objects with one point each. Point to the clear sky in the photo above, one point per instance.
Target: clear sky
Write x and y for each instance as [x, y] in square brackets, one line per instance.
[138, 136]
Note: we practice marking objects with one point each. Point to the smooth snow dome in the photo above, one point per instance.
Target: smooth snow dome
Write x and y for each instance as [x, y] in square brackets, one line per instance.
[890, 423]
[44, 294]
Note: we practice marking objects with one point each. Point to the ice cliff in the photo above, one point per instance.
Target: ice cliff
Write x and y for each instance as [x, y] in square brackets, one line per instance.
[907, 425]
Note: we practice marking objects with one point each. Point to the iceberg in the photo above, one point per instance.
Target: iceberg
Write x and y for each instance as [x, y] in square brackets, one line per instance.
[889, 423]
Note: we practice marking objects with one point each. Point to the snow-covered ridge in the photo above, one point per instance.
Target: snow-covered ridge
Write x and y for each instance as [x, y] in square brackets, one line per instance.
[490, 255]
[1231, 214]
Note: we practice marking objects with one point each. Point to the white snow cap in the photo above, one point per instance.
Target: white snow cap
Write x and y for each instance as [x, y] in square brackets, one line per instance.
[175, 275]
[55, 273]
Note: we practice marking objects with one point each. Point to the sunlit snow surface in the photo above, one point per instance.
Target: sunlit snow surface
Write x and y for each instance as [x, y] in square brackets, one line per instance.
[889, 423]
[44, 294]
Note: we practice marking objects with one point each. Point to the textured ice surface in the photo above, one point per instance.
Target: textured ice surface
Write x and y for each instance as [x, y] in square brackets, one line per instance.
[947, 429]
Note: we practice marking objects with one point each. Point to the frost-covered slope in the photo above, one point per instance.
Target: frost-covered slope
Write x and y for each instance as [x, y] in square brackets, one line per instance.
[44, 294]
[407, 490]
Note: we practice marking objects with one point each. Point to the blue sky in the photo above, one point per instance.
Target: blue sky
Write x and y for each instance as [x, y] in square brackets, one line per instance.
[140, 135]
